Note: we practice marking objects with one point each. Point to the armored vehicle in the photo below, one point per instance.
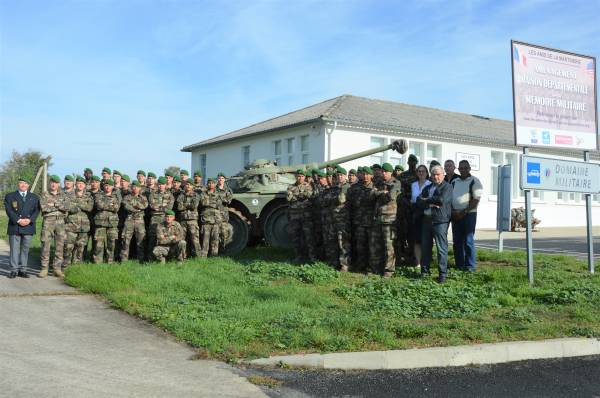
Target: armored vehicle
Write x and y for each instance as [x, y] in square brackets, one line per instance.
[259, 207]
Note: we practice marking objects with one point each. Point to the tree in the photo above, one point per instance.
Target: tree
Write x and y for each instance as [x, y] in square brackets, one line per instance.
[19, 165]
[173, 169]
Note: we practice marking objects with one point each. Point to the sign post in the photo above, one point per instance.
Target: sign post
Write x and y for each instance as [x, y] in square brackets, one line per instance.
[588, 216]
[503, 205]
[528, 228]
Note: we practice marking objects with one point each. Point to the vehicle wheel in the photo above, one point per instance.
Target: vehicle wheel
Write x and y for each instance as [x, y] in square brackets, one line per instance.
[276, 233]
[241, 232]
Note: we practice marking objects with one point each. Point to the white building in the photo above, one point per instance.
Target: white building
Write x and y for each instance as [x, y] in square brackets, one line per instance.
[348, 124]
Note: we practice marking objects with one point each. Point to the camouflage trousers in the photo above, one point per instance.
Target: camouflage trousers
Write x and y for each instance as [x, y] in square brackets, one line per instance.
[383, 258]
[105, 239]
[151, 232]
[338, 244]
[192, 235]
[74, 247]
[210, 239]
[133, 227]
[300, 230]
[165, 252]
[225, 233]
[362, 248]
[317, 234]
[53, 230]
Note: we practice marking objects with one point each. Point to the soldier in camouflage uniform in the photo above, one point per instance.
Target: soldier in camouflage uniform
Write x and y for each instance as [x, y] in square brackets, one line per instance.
[54, 205]
[198, 186]
[300, 226]
[184, 175]
[170, 239]
[176, 190]
[385, 195]
[106, 174]
[210, 217]
[226, 229]
[338, 249]
[69, 184]
[187, 204]
[327, 231]
[352, 177]
[88, 174]
[141, 178]
[94, 190]
[134, 206]
[398, 171]
[315, 206]
[159, 202]
[78, 223]
[151, 185]
[125, 185]
[364, 220]
[404, 246]
[106, 222]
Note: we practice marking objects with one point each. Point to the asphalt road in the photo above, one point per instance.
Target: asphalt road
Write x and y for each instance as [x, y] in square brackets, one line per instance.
[571, 377]
[575, 246]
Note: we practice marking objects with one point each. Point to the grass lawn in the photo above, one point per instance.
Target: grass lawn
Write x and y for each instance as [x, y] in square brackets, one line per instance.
[257, 304]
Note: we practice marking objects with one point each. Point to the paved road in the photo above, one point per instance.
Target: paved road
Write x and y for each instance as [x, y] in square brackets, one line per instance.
[572, 377]
[57, 342]
[575, 246]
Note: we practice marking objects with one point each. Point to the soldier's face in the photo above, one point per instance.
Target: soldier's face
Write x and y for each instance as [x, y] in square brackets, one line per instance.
[341, 178]
[23, 186]
[184, 177]
[170, 219]
[299, 178]
[87, 175]
[211, 185]
[221, 180]
[108, 188]
[68, 185]
[124, 184]
[117, 178]
[135, 189]
[54, 186]
[188, 188]
[150, 181]
[387, 175]
[368, 178]
[197, 180]
[352, 178]
[176, 184]
[95, 184]
[169, 180]
[80, 186]
[105, 175]
[323, 180]
[162, 187]
[141, 178]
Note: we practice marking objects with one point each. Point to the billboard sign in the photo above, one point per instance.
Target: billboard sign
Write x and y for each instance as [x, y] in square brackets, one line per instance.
[554, 98]
[472, 158]
[559, 175]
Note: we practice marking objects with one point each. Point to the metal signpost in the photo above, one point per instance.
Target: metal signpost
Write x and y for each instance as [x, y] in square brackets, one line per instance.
[554, 106]
[503, 205]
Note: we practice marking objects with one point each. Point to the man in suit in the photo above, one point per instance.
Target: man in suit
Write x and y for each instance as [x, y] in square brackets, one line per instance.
[22, 208]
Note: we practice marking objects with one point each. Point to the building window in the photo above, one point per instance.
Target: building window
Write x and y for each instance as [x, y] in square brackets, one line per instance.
[277, 151]
[245, 155]
[203, 165]
[500, 159]
[304, 148]
[434, 152]
[513, 160]
[377, 157]
[290, 150]
[416, 148]
[596, 197]
[497, 160]
[305, 158]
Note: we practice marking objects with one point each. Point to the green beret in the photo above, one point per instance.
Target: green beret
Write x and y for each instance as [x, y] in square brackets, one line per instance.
[136, 183]
[184, 173]
[367, 170]
[330, 172]
[197, 174]
[117, 172]
[352, 171]
[387, 167]
[398, 167]
[69, 177]
[87, 169]
[307, 173]
[80, 179]
[169, 213]
[315, 171]
[360, 169]
[162, 180]
[126, 178]
[110, 181]
[168, 173]
[55, 178]
[321, 174]
[221, 174]
[376, 166]
[106, 170]
[300, 171]
[413, 158]
[142, 172]
[25, 179]
[340, 170]
[177, 178]
[151, 175]
[95, 178]
[210, 180]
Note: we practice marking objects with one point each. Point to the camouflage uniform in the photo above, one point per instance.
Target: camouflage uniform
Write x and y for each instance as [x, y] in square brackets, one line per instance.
[315, 210]
[170, 242]
[338, 244]
[385, 195]
[106, 221]
[405, 247]
[352, 198]
[211, 222]
[54, 210]
[365, 204]
[187, 212]
[300, 226]
[92, 232]
[134, 206]
[158, 204]
[225, 229]
[327, 230]
[77, 226]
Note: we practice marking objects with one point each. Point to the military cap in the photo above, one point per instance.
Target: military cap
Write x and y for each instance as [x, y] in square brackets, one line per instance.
[184, 173]
[398, 167]
[330, 172]
[142, 172]
[300, 171]
[169, 213]
[69, 177]
[110, 181]
[367, 170]
[359, 169]
[340, 170]
[25, 179]
[88, 169]
[177, 178]
[315, 171]
[307, 173]
[321, 174]
[55, 178]
[136, 183]
[106, 170]
[376, 166]
[210, 179]
[151, 175]
[162, 180]
[197, 174]
[95, 178]
[117, 172]
[80, 179]
[387, 167]
[126, 178]
[221, 174]
[168, 173]
[352, 171]
[413, 158]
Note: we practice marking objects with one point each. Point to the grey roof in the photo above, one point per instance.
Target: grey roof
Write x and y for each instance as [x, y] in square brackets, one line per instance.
[413, 120]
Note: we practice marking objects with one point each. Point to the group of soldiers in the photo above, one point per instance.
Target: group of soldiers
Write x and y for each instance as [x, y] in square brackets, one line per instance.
[354, 221]
[171, 216]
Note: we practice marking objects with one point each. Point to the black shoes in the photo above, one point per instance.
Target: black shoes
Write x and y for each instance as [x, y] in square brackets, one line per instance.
[12, 275]
[23, 274]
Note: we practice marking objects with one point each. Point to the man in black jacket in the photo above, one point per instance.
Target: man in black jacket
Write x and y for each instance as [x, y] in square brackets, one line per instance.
[436, 202]
[22, 208]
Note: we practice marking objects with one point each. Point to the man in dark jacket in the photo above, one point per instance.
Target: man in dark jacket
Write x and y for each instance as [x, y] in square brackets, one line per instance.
[436, 202]
[22, 208]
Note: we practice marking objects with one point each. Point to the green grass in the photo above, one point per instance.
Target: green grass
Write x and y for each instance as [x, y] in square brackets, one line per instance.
[257, 304]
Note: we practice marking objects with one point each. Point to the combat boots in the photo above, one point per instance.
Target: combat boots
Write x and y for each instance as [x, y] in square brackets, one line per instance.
[58, 272]
[43, 273]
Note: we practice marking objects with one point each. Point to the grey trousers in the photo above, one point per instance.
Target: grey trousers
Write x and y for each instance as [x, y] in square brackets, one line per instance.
[19, 251]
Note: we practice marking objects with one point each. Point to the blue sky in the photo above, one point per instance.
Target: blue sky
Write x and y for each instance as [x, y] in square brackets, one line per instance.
[127, 83]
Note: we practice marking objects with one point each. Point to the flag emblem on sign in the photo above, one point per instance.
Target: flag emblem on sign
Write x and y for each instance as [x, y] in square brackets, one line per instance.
[589, 69]
[519, 58]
